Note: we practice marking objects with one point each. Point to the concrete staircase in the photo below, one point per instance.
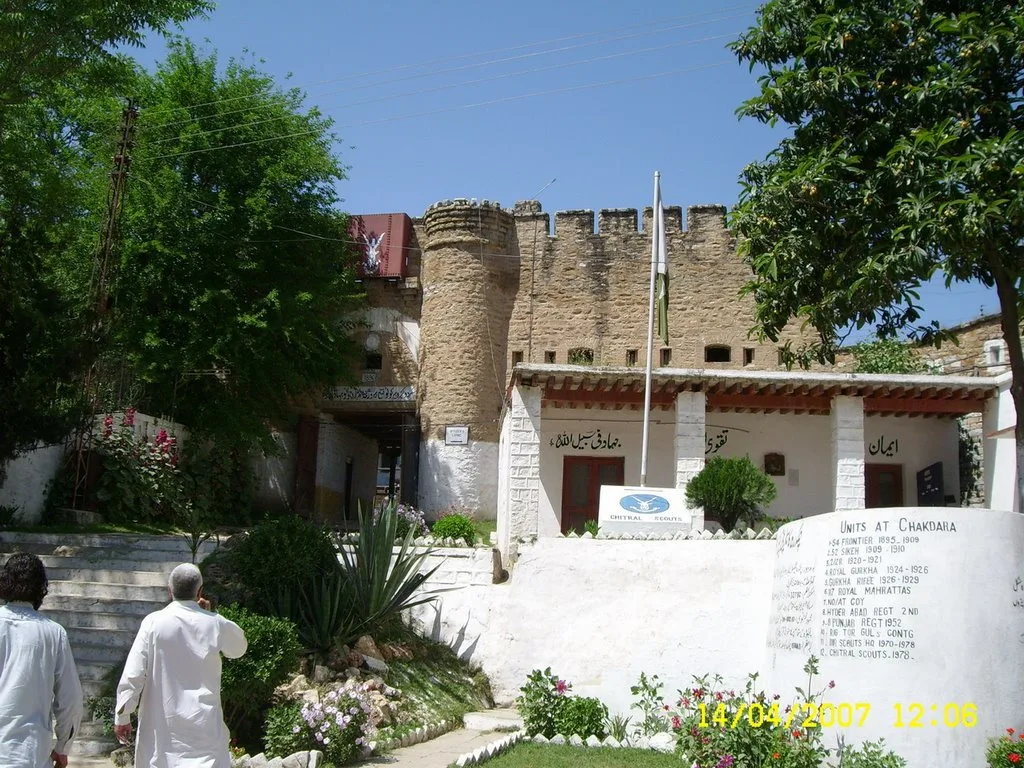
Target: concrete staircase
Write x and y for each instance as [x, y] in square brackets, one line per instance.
[101, 587]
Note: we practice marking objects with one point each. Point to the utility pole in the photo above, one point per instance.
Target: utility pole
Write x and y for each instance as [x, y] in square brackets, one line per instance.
[100, 299]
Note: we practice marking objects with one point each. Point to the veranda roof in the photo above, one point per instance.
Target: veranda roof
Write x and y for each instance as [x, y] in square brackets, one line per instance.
[587, 386]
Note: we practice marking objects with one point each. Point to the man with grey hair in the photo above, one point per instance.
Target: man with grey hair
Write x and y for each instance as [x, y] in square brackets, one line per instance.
[173, 677]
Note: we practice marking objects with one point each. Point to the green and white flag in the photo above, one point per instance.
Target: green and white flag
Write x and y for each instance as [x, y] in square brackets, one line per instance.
[660, 257]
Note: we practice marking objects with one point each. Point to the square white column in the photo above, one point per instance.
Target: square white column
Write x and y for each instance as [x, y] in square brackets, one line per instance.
[523, 465]
[689, 436]
[847, 453]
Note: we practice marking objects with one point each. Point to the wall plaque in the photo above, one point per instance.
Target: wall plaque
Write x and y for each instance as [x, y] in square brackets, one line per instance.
[456, 435]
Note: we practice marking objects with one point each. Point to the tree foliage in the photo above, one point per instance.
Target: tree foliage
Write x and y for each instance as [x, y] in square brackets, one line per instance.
[887, 356]
[57, 64]
[236, 271]
[905, 160]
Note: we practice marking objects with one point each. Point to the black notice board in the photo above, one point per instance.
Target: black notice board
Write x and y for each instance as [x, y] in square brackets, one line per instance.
[930, 491]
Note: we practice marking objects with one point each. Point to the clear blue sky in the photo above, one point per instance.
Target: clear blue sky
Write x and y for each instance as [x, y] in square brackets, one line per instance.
[450, 98]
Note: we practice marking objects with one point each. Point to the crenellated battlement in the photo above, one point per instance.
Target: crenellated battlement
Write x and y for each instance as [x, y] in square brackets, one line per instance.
[624, 221]
[462, 221]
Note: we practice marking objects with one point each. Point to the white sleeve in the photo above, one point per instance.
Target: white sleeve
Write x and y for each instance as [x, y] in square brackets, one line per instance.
[68, 703]
[232, 639]
[133, 679]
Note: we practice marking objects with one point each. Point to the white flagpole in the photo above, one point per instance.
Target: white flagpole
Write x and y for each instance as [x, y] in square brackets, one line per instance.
[655, 234]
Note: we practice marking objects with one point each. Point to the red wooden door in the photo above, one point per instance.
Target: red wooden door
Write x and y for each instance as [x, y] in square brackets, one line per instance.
[883, 485]
[582, 478]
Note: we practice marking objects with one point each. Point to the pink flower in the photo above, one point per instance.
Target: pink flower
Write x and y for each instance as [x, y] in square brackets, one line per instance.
[831, 683]
[676, 722]
[129, 417]
[561, 687]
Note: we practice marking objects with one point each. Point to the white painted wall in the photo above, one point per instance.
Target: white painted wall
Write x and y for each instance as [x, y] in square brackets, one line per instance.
[999, 450]
[916, 444]
[27, 476]
[626, 427]
[275, 475]
[460, 476]
[803, 439]
[601, 612]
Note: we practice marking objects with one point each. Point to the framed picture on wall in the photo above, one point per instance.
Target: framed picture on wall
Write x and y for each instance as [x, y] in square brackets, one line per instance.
[774, 464]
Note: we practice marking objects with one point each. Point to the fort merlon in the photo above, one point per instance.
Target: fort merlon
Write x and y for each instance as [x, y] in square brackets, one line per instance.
[460, 295]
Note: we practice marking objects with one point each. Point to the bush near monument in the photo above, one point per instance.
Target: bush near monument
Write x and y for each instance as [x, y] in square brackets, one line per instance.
[730, 490]
[455, 526]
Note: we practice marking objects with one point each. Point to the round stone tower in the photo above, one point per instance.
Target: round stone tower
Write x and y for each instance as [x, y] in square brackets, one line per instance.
[470, 276]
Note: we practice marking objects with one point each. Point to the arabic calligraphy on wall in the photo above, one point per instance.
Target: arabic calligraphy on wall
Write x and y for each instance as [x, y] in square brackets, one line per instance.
[1018, 601]
[385, 394]
[714, 442]
[880, 447]
[581, 441]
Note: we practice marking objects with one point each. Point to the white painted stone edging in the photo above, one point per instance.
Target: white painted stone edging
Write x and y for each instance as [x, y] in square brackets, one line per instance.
[592, 741]
[704, 535]
[417, 736]
[489, 750]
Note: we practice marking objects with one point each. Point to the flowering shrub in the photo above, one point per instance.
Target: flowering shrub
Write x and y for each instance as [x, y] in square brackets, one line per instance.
[141, 479]
[339, 726]
[540, 701]
[1007, 750]
[408, 519]
[719, 728]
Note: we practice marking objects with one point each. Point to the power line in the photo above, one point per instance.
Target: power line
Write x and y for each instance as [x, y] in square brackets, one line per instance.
[446, 87]
[456, 108]
[495, 51]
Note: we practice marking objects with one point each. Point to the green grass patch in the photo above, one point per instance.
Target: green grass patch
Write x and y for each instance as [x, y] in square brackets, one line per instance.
[436, 685]
[484, 529]
[528, 755]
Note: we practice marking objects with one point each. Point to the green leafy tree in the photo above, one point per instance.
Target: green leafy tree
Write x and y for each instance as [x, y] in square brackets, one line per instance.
[731, 489]
[236, 266]
[57, 62]
[904, 161]
[886, 356]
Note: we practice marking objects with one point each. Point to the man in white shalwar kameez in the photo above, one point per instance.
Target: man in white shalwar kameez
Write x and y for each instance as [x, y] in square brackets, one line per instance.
[39, 686]
[173, 676]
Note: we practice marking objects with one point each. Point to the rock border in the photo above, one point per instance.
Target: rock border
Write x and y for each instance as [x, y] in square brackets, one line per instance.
[489, 750]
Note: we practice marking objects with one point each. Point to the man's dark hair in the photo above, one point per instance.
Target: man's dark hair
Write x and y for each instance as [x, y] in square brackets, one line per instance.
[23, 579]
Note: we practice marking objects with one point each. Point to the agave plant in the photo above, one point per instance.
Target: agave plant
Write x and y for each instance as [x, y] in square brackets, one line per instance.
[382, 579]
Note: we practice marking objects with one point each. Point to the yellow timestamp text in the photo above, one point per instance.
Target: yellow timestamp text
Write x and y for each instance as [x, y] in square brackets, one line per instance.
[808, 714]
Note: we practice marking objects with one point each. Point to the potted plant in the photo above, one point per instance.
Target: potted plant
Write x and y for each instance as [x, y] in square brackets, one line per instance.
[730, 490]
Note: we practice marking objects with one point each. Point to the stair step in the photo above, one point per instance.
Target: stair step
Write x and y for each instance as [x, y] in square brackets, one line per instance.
[101, 591]
[111, 541]
[112, 638]
[102, 554]
[98, 653]
[84, 604]
[94, 619]
[56, 570]
[161, 568]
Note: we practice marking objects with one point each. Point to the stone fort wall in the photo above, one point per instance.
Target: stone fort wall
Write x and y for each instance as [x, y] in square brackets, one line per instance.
[586, 289]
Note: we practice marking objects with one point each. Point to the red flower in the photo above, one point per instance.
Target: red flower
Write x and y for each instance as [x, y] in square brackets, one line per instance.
[776, 755]
[561, 687]
[1013, 757]
[698, 692]
[129, 417]
[665, 707]
[718, 696]
[776, 697]
[796, 734]
[684, 702]
[1010, 731]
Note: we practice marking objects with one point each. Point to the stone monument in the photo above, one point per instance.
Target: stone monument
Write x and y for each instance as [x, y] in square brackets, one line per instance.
[917, 614]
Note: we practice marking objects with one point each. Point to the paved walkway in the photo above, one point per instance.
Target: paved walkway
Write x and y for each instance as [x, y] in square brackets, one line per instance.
[436, 753]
